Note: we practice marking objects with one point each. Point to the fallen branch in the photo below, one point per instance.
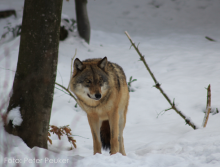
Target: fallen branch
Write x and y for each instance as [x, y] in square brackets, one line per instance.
[158, 86]
[208, 106]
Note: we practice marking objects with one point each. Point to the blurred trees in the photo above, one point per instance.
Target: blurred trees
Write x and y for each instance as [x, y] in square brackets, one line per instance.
[82, 18]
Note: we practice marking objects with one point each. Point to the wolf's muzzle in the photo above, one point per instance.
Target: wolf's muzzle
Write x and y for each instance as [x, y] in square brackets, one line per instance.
[97, 96]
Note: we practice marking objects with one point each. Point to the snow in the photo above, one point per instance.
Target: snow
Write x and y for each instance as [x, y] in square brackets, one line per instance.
[15, 116]
[172, 38]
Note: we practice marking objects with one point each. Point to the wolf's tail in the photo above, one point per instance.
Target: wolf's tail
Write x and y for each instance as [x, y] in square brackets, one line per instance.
[105, 135]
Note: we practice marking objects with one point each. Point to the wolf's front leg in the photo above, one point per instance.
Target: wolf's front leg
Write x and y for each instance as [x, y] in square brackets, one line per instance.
[122, 121]
[95, 124]
[114, 130]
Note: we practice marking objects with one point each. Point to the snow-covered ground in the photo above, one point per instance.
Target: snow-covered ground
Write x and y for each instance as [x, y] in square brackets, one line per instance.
[171, 34]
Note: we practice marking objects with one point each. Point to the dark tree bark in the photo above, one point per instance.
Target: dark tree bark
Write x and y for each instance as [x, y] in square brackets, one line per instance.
[35, 76]
[82, 18]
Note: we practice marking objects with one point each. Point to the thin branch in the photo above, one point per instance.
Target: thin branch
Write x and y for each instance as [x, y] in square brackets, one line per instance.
[80, 136]
[217, 110]
[62, 91]
[69, 93]
[60, 76]
[160, 113]
[71, 73]
[208, 106]
[7, 69]
[210, 39]
[158, 86]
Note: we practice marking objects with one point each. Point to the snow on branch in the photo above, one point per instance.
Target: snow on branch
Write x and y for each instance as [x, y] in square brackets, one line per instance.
[158, 86]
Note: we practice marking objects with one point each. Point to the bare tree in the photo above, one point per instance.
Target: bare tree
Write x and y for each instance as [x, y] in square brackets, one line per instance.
[35, 76]
[82, 18]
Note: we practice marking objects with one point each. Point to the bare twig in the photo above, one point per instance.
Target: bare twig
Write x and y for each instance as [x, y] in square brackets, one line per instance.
[60, 76]
[69, 93]
[158, 86]
[160, 113]
[71, 73]
[8, 69]
[210, 39]
[62, 91]
[208, 106]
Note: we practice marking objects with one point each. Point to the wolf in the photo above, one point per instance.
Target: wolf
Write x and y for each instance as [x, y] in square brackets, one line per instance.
[102, 92]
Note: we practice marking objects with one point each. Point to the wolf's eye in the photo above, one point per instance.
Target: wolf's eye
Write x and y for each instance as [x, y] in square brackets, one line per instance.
[88, 81]
[100, 81]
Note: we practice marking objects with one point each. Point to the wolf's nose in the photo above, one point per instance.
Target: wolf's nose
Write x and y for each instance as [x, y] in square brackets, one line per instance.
[98, 96]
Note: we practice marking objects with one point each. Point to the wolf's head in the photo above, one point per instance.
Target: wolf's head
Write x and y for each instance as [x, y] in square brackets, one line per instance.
[90, 79]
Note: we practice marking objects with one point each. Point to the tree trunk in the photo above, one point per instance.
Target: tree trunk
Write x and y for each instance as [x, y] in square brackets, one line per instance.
[82, 18]
[35, 76]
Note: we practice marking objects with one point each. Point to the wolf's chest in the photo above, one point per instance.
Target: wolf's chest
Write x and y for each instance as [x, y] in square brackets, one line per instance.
[101, 110]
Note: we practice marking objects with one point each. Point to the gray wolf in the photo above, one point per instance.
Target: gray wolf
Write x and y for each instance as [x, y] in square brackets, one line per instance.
[102, 92]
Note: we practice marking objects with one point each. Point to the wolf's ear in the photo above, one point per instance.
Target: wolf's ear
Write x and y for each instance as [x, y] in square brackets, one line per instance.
[78, 65]
[103, 63]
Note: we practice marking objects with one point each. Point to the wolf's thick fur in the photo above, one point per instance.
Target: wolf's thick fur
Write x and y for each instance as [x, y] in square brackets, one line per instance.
[102, 92]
